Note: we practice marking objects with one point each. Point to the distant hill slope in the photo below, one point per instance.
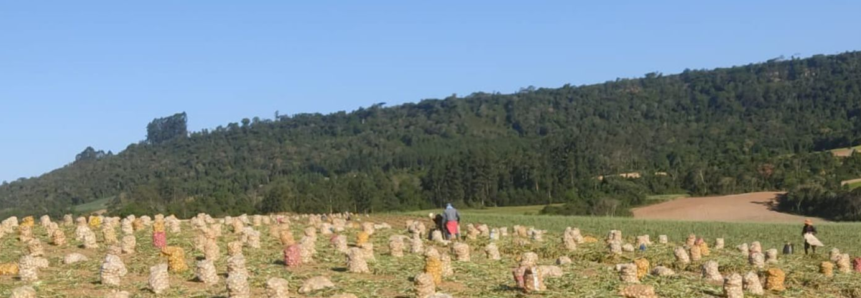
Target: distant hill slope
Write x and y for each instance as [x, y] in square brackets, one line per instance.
[738, 129]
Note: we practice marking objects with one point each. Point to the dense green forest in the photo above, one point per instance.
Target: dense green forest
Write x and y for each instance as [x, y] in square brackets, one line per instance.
[727, 130]
[828, 201]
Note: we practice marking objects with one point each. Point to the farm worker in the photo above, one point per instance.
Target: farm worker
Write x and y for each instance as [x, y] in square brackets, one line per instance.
[809, 239]
[451, 218]
[439, 222]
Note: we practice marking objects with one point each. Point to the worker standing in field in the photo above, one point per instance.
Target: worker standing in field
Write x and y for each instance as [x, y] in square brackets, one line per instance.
[451, 218]
[439, 224]
[439, 221]
[810, 240]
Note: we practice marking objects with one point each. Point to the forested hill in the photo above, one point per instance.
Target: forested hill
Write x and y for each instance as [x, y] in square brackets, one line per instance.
[718, 131]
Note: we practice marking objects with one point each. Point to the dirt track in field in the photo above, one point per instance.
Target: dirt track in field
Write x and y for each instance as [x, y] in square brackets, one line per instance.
[748, 207]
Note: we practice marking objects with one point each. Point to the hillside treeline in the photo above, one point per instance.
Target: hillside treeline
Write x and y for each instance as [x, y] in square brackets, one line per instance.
[826, 198]
[836, 203]
[728, 130]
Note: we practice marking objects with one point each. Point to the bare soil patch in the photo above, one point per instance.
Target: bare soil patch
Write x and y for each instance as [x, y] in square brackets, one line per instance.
[748, 207]
[845, 152]
[851, 181]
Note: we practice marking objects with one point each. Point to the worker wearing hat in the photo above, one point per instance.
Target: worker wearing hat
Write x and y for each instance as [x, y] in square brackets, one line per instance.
[808, 233]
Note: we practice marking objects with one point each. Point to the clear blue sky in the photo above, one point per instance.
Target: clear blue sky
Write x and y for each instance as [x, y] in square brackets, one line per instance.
[94, 73]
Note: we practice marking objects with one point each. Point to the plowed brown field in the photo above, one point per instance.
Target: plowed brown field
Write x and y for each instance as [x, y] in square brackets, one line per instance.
[748, 207]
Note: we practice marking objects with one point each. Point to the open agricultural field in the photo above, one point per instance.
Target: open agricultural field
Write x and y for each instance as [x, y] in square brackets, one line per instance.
[512, 210]
[591, 274]
[654, 199]
[100, 204]
[536, 209]
[844, 152]
[747, 207]
[853, 183]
